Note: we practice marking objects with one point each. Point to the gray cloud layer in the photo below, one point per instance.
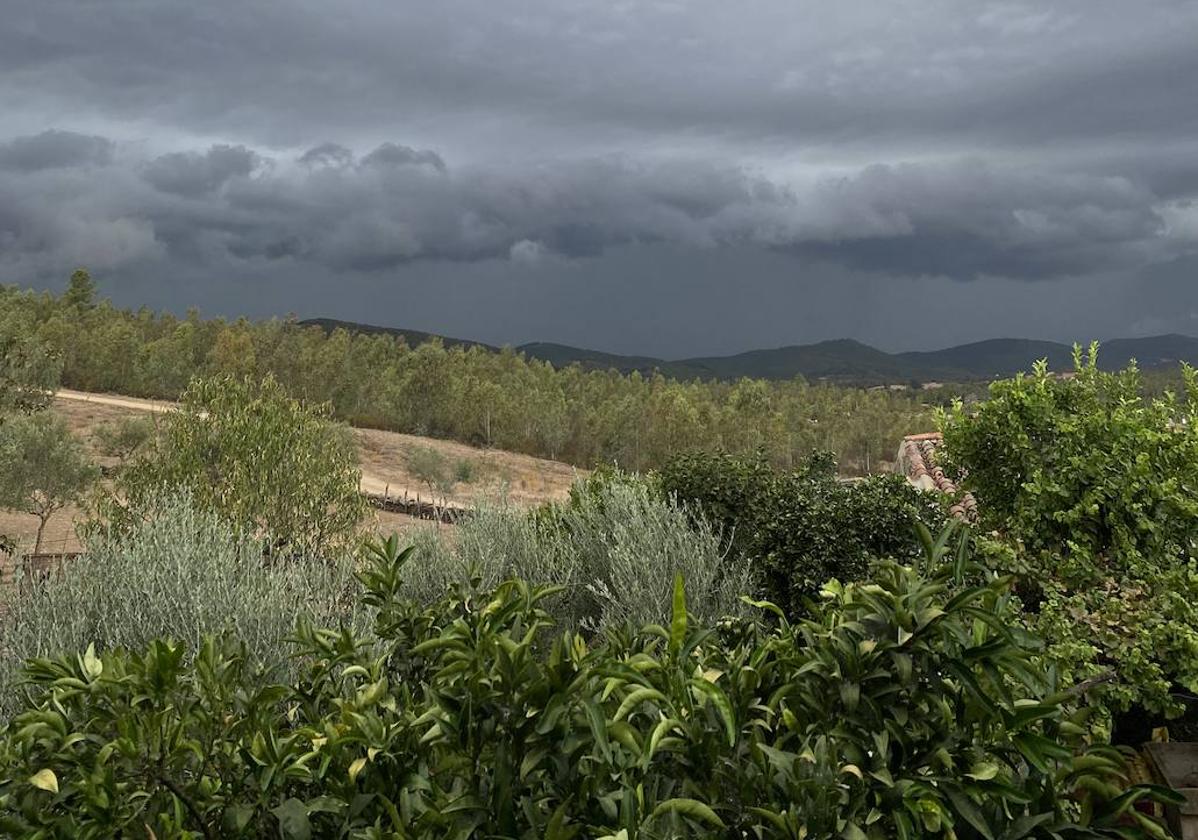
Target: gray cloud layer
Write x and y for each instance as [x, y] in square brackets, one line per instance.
[54, 150]
[229, 205]
[860, 144]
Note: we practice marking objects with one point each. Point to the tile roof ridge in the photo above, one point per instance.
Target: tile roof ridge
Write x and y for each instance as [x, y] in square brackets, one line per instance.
[917, 463]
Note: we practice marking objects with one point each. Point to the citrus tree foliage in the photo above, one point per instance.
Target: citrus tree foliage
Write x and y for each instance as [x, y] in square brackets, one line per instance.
[43, 467]
[500, 399]
[803, 527]
[1093, 488]
[895, 711]
[271, 464]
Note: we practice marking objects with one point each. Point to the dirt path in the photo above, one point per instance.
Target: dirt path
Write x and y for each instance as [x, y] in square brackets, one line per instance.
[135, 403]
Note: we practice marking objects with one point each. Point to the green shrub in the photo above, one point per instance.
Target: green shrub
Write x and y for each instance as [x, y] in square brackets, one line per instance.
[1090, 487]
[895, 711]
[121, 439]
[269, 464]
[615, 548]
[181, 576]
[463, 471]
[802, 528]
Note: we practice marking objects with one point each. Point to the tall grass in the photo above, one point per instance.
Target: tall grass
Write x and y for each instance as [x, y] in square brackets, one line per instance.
[181, 575]
[614, 549]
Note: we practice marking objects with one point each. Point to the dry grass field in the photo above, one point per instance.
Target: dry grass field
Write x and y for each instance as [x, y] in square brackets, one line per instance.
[384, 458]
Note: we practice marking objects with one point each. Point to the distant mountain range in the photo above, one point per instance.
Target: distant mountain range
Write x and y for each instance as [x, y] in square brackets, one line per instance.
[842, 360]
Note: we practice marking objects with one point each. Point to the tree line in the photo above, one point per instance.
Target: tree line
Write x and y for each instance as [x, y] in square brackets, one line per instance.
[503, 399]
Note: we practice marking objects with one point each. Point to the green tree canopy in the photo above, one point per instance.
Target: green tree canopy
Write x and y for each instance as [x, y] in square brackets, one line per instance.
[42, 468]
[29, 371]
[81, 291]
[1093, 490]
[504, 399]
[271, 464]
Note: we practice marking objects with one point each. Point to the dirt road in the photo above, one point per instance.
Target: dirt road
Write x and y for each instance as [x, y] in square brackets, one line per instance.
[135, 403]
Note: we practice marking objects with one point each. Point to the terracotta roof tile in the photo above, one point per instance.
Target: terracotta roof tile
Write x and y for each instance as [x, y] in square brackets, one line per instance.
[917, 461]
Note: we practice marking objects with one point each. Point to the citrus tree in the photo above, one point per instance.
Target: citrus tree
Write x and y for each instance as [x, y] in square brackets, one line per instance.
[802, 527]
[903, 708]
[1092, 489]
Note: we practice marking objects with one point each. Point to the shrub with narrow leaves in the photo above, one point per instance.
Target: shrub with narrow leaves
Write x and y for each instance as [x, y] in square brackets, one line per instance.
[184, 575]
[271, 465]
[614, 548]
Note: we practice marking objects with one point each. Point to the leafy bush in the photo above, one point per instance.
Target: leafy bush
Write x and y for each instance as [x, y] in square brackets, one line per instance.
[121, 439]
[29, 369]
[181, 576]
[1091, 488]
[463, 471]
[269, 464]
[629, 544]
[803, 528]
[895, 711]
[436, 470]
[614, 548]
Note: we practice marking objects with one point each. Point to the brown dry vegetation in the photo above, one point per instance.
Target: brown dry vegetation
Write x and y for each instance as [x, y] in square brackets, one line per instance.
[383, 456]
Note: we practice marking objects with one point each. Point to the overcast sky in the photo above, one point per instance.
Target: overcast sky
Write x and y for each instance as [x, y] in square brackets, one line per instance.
[677, 178]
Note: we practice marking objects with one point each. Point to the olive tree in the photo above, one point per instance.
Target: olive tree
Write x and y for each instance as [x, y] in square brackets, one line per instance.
[270, 464]
[43, 468]
[432, 467]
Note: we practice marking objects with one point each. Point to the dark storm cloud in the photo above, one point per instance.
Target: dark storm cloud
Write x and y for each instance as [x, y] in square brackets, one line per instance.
[971, 219]
[53, 149]
[990, 73]
[327, 154]
[891, 141]
[393, 154]
[194, 174]
[229, 204]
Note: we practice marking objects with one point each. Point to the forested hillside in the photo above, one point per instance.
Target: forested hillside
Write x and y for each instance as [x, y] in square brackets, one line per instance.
[842, 361]
[501, 399]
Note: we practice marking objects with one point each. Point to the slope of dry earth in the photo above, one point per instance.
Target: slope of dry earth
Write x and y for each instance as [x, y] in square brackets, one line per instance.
[383, 457]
